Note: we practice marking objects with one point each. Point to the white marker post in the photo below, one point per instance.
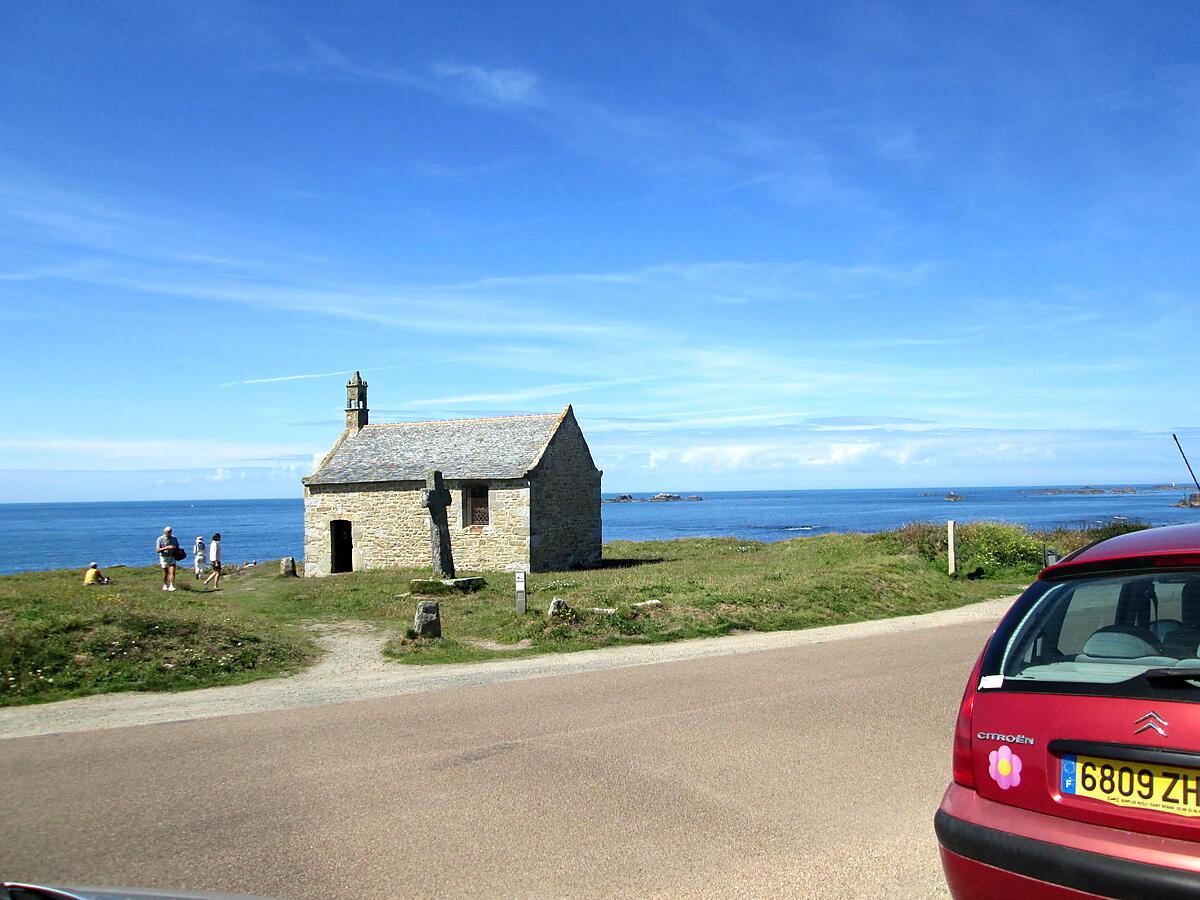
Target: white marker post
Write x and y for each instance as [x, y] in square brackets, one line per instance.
[520, 579]
[950, 546]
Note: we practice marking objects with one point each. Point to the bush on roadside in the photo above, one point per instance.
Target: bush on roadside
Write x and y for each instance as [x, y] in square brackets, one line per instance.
[991, 546]
[927, 539]
[1068, 540]
[995, 547]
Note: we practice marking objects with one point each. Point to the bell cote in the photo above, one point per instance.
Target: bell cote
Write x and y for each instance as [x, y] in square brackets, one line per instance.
[356, 403]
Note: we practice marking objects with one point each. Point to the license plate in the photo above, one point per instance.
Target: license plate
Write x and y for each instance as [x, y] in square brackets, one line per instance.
[1137, 785]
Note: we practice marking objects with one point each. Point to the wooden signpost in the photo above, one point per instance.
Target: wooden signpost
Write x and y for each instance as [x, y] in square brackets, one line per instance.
[950, 545]
[520, 579]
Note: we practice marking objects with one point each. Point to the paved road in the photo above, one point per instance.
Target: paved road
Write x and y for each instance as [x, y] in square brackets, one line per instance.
[807, 771]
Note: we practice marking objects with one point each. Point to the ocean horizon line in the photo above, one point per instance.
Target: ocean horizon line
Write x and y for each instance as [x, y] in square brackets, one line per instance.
[1156, 485]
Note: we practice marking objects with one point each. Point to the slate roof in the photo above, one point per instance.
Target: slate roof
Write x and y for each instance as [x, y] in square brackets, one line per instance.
[505, 447]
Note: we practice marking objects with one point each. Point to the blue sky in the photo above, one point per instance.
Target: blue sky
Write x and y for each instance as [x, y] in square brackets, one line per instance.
[756, 245]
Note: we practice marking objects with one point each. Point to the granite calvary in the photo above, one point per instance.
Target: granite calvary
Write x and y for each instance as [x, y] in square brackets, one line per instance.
[524, 493]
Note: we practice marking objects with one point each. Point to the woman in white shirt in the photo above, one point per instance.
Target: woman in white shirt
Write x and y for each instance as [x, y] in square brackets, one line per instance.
[214, 559]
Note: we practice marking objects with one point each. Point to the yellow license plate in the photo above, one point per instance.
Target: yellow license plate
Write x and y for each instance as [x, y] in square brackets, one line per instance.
[1138, 785]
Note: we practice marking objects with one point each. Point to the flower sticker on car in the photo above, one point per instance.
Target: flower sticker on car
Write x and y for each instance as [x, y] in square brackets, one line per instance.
[1005, 767]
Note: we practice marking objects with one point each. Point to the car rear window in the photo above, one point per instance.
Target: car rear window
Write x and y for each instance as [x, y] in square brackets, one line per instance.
[1101, 631]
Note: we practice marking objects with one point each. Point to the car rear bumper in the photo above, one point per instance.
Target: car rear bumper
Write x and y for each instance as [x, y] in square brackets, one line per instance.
[1020, 853]
[970, 878]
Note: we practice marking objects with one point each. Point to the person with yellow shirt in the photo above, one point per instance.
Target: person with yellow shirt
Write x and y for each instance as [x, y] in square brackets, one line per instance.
[93, 575]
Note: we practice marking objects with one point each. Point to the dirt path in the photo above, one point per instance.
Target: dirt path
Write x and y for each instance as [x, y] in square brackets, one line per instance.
[354, 669]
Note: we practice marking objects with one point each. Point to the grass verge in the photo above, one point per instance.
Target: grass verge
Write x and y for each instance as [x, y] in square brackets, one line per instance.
[59, 639]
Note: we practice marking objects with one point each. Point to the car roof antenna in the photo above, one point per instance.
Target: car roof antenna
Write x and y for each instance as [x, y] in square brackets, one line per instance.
[1186, 463]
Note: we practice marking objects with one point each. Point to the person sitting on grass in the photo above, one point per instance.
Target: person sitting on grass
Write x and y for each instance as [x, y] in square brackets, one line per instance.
[214, 559]
[93, 575]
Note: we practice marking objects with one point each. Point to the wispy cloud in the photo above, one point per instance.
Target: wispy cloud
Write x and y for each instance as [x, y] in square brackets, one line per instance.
[524, 394]
[286, 378]
[464, 82]
[723, 280]
[741, 154]
[781, 386]
[502, 87]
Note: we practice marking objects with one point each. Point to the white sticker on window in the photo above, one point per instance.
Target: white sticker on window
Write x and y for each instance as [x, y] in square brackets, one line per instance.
[989, 682]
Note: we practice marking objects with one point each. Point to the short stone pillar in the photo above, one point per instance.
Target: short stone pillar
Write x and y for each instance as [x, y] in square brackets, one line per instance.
[287, 566]
[428, 620]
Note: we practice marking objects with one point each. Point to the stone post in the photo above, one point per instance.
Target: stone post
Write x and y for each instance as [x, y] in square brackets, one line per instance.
[428, 620]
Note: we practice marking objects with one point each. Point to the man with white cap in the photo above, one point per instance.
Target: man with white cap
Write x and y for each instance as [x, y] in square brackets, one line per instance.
[166, 548]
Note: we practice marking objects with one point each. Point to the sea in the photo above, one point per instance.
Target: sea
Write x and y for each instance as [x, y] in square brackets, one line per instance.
[40, 536]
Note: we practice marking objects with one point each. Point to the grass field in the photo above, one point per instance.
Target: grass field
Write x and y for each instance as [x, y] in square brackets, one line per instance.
[59, 639]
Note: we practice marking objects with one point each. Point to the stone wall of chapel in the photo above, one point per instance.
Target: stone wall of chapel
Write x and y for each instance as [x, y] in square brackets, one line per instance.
[565, 529]
[390, 528]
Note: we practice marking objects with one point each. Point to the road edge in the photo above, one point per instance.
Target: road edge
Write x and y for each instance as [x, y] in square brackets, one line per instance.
[331, 682]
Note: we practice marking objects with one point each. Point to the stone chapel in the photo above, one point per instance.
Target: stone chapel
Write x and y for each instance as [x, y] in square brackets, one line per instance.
[525, 493]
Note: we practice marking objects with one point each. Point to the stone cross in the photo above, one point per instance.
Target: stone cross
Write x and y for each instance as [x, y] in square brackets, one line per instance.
[436, 499]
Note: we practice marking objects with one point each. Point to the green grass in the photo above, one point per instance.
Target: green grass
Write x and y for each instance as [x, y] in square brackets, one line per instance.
[706, 587]
[59, 639]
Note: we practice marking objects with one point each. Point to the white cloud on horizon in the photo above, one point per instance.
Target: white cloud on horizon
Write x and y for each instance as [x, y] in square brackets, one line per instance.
[145, 454]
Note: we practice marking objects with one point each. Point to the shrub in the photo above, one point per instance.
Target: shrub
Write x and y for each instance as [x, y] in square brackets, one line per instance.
[927, 539]
[1068, 540]
[993, 546]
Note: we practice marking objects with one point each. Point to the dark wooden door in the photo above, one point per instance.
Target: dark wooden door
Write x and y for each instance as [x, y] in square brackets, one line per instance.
[342, 540]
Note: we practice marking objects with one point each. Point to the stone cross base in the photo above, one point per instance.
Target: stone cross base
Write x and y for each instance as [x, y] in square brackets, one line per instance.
[446, 585]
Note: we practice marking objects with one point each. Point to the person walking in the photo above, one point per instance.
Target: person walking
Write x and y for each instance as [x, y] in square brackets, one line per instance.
[166, 547]
[198, 556]
[214, 559]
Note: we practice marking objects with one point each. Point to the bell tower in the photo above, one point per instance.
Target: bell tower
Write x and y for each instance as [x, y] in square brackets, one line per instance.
[356, 403]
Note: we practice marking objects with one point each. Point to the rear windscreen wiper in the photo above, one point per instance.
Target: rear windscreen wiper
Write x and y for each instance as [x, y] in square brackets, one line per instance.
[1182, 673]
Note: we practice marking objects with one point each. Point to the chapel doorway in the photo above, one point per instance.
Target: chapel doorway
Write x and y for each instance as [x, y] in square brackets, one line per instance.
[341, 540]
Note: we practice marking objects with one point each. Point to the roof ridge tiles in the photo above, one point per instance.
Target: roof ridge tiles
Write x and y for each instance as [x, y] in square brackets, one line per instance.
[465, 419]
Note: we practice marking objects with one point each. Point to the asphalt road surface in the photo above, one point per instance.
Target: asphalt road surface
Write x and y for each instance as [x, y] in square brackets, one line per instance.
[807, 771]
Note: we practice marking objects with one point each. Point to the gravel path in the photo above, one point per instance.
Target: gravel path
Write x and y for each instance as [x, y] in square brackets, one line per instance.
[354, 669]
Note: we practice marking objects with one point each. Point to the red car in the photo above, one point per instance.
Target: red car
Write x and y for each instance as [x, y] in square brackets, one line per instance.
[1077, 746]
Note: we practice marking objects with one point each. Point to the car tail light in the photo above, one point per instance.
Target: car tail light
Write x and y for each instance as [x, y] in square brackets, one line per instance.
[964, 763]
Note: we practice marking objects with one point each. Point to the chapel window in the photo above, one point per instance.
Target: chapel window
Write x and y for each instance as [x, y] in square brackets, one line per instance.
[477, 505]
